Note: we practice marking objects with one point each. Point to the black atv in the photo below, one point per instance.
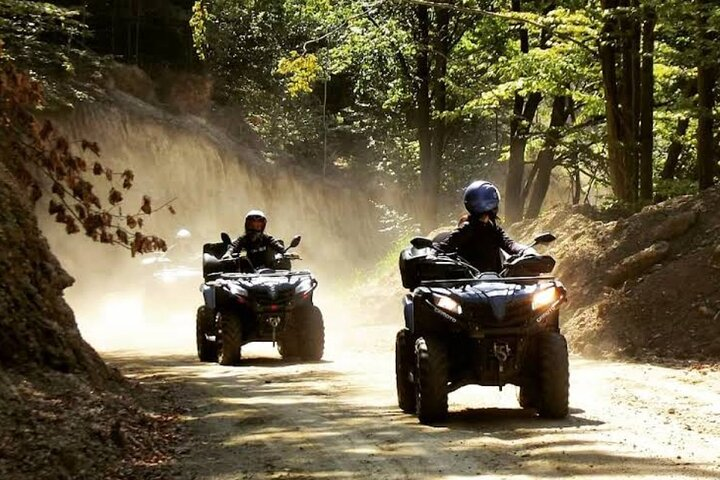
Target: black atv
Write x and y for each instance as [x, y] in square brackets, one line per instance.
[244, 304]
[463, 326]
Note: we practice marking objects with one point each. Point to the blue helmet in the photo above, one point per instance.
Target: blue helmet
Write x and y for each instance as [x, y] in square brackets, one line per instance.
[481, 197]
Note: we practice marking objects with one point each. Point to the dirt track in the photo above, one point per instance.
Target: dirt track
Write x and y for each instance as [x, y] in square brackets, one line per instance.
[339, 419]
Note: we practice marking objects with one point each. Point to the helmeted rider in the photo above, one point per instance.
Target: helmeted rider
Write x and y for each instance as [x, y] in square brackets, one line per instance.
[480, 239]
[260, 247]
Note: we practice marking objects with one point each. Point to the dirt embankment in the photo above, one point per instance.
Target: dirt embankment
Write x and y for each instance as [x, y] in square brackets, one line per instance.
[63, 412]
[645, 286]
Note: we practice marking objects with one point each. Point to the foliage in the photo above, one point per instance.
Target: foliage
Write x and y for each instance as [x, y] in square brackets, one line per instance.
[48, 41]
[365, 51]
[44, 163]
[304, 71]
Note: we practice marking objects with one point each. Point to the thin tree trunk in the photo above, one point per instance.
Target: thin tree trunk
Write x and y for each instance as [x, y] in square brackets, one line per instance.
[441, 46]
[646, 107]
[546, 158]
[519, 129]
[424, 118]
[577, 186]
[706, 80]
[707, 77]
[530, 181]
[612, 110]
[137, 32]
[631, 104]
[675, 150]
[523, 115]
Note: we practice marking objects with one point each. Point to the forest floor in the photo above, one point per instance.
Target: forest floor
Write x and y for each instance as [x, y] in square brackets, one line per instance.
[338, 418]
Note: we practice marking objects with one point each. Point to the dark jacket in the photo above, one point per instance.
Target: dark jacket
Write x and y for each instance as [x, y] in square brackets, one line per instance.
[480, 244]
[260, 249]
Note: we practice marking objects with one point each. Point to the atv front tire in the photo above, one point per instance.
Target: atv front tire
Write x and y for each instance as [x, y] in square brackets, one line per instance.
[404, 362]
[431, 382]
[231, 340]
[207, 350]
[312, 333]
[554, 376]
[288, 341]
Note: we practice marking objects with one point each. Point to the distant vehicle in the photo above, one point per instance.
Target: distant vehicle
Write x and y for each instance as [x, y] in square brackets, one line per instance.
[243, 304]
[463, 327]
[171, 275]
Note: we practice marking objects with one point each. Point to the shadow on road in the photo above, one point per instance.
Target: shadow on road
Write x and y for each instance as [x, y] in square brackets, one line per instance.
[274, 419]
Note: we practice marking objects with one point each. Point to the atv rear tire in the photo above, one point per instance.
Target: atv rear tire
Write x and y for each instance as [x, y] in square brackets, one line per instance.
[404, 362]
[207, 350]
[554, 376]
[312, 333]
[231, 343]
[431, 382]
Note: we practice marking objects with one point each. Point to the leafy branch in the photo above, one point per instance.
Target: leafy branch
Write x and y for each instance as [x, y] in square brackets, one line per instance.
[43, 163]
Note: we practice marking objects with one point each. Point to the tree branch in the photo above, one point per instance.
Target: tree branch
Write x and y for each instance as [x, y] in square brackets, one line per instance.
[509, 18]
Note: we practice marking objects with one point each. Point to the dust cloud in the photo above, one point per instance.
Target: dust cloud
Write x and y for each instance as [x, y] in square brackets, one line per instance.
[148, 303]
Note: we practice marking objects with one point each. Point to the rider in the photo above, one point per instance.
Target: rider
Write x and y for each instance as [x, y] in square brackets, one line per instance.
[259, 246]
[480, 239]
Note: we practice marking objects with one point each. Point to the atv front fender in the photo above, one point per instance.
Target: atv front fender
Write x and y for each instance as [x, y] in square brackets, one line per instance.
[408, 311]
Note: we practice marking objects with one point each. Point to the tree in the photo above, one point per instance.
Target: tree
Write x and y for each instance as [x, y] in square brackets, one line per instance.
[561, 111]
[628, 95]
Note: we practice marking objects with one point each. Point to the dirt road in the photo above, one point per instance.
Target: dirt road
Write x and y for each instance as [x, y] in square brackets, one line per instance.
[338, 419]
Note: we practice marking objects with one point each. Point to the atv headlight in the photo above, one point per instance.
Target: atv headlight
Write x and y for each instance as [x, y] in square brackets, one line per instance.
[304, 287]
[447, 303]
[544, 298]
[236, 290]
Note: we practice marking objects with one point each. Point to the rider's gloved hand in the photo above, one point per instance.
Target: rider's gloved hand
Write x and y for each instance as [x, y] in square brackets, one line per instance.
[530, 251]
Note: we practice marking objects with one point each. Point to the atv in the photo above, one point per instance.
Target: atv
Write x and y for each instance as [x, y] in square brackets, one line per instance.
[243, 304]
[463, 327]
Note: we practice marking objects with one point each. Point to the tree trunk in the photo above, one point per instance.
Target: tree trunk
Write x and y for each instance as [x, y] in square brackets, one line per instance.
[646, 107]
[546, 158]
[675, 150]
[523, 115]
[631, 102]
[612, 111]
[621, 105]
[577, 186]
[440, 52]
[706, 79]
[424, 117]
[519, 129]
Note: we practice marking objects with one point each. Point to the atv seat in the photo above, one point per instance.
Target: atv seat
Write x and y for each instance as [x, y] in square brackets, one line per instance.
[217, 250]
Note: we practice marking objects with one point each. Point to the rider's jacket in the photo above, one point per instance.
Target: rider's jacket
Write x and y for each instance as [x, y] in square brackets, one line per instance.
[260, 248]
[480, 243]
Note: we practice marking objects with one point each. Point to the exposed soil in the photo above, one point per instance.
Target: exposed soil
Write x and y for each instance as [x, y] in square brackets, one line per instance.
[642, 287]
[60, 426]
[63, 412]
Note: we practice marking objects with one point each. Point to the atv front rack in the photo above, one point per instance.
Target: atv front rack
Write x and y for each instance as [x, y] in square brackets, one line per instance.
[285, 273]
[464, 281]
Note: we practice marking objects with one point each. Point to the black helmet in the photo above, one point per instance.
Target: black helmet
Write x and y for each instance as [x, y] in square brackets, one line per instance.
[255, 215]
[481, 197]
